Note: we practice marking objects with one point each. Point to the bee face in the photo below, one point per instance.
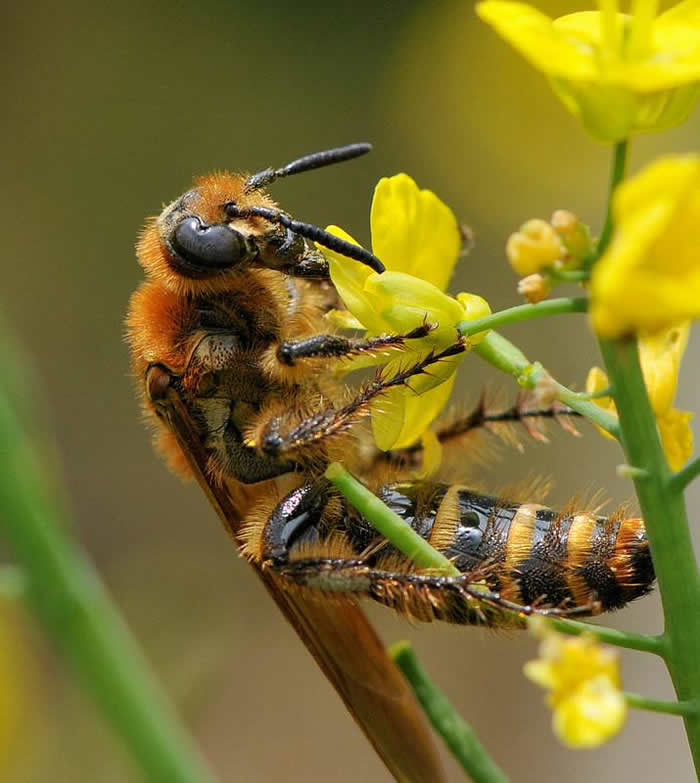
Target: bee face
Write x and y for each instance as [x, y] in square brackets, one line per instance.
[193, 245]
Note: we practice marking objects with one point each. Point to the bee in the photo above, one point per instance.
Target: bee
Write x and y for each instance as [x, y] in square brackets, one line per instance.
[236, 367]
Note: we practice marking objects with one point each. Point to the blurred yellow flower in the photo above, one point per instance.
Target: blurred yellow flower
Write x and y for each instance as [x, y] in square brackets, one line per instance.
[660, 358]
[583, 680]
[619, 74]
[534, 246]
[649, 278]
[417, 237]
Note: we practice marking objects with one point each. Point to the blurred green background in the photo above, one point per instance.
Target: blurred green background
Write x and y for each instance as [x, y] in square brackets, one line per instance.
[108, 111]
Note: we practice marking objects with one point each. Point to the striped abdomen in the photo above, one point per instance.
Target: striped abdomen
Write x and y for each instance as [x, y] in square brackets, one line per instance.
[527, 554]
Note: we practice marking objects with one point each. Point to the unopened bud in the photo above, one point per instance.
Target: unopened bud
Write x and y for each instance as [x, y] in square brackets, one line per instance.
[575, 235]
[536, 245]
[534, 288]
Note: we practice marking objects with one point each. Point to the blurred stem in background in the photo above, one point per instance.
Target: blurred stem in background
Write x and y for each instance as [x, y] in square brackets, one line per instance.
[71, 602]
[662, 504]
[458, 735]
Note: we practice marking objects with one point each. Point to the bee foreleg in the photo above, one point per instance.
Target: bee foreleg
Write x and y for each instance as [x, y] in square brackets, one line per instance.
[294, 256]
[332, 345]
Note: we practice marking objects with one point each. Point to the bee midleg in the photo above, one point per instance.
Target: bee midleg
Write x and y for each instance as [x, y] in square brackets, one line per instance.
[480, 418]
[333, 345]
[275, 441]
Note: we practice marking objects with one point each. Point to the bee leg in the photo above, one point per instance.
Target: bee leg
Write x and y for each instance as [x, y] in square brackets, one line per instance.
[425, 597]
[332, 345]
[275, 438]
[293, 517]
[524, 412]
[294, 256]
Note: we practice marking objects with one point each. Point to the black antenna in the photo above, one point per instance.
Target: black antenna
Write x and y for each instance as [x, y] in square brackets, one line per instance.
[314, 161]
[309, 231]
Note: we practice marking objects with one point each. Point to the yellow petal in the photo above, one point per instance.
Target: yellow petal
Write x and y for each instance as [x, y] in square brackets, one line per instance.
[593, 714]
[660, 356]
[413, 231]
[676, 437]
[404, 302]
[432, 454]
[649, 278]
[401, 417]
[349, 279]
[554, 51]
[597, 381]
[343, 319]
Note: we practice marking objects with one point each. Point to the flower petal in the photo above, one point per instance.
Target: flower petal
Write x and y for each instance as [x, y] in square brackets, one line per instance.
[413, 231]
[343, 319]
[676, 436]
[649, 278]
[400, 417]
[594, 713]
[349, 279]
[550, 47]
[660, 356]
[405, 302]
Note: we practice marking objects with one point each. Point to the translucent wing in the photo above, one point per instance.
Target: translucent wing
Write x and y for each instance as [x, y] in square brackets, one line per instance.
[336, 632]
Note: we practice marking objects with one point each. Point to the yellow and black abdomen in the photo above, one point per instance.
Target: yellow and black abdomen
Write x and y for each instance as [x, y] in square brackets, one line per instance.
[528, 553]
[525, 555]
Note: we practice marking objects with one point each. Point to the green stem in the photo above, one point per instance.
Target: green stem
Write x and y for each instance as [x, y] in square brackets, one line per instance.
[682, 708]
[505, 356]
[663, 509]
[389, 523]
[73, 606]
[568, 275]
[458, 735]
[617, 173]
[626, 639]
[524, 313]
[679, 481]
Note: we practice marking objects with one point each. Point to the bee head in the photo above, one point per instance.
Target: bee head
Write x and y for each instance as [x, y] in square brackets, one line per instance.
[194, 244]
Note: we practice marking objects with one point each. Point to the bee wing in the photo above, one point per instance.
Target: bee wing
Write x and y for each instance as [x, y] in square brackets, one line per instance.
[336, 632]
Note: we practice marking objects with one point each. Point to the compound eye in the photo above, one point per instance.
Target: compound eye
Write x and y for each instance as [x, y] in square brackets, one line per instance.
[204, 249]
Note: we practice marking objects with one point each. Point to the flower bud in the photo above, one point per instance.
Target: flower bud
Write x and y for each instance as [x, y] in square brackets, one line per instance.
[575, 235]
[534, 288]
[536, 245]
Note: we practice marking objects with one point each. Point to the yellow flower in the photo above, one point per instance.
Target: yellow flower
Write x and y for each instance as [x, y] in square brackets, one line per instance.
[535, 246]
[417, 237]
[583, 680]
[649, 278]
[660, 358]
[619, 74]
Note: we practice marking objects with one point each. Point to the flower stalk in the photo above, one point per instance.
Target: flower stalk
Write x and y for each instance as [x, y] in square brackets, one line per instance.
[458, 735]
[388, 522]
[69, 598]
[663, 508]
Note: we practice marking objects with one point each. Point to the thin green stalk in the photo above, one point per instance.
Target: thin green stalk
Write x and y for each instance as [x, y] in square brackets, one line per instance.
[663, 509]
[524, 312]
[458, 735]
[505, 356]
[682, 708]
[680, 480]
[626, 639]
[617, 173]
[388, 523]
[74, 607]
[568, 275]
